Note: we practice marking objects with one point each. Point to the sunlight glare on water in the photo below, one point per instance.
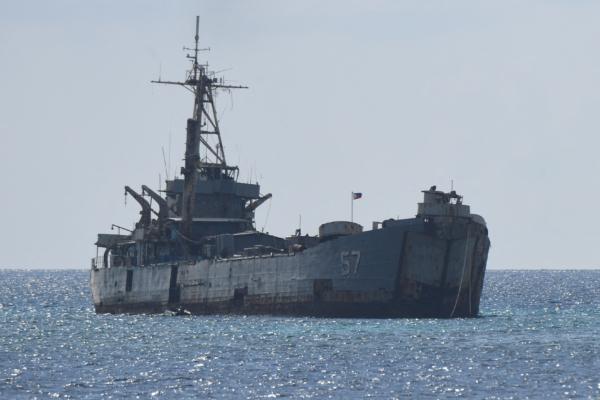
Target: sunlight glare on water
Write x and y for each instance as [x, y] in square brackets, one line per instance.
[536, 338]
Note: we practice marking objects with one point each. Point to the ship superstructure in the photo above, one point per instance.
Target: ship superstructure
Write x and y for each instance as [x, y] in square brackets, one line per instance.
[207, 201]
[196, 248]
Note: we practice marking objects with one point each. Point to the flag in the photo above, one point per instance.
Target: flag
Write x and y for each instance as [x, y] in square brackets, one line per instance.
[356, 196]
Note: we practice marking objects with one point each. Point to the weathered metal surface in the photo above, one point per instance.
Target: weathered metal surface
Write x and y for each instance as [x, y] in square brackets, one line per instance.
[203, 253]
[339, 228]
[109, 240]
[400, 273]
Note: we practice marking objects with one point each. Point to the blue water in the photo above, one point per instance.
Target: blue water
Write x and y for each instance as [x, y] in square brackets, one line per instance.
[538, 337]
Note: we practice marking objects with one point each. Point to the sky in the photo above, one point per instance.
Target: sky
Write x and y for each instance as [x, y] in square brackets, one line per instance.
[381, 97]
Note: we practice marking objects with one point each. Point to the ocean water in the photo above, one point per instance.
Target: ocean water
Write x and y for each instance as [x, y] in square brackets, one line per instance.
[538, 337]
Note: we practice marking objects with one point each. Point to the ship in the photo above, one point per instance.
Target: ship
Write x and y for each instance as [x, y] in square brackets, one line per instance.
[196, 249]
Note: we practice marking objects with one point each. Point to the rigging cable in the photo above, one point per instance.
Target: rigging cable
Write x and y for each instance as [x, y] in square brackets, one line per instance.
[267, 216]
[462, 276]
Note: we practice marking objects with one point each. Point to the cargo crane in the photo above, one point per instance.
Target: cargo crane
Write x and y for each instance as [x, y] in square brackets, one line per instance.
[257, 203]
[146, 212]
[163, 207]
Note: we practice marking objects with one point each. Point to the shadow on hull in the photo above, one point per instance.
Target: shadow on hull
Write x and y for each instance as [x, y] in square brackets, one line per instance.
[447, 306]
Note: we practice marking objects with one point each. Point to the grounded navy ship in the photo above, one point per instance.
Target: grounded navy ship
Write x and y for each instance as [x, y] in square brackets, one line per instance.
[196, 249]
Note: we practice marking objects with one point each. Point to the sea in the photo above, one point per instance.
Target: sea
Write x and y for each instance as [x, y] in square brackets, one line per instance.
[537, 337]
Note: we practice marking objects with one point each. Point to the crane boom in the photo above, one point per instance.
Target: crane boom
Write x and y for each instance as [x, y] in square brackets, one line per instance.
[146, 212]
[163, 207]
[255, 204]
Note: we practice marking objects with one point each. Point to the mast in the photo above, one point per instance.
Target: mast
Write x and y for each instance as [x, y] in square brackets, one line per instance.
[204, 154]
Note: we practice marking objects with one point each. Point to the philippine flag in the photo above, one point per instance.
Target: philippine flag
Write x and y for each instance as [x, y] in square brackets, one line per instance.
[356, 196]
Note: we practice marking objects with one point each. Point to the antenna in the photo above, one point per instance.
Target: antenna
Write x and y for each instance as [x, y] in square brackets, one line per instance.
[196, 38]
[203, 85]
[165, 162]
[197, 71]
[169, 163]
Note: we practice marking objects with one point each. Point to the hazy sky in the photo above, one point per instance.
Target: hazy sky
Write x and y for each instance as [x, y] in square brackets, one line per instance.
[382, 97]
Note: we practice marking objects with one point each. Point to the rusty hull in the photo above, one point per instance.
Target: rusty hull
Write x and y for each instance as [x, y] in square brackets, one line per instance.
[412, 268]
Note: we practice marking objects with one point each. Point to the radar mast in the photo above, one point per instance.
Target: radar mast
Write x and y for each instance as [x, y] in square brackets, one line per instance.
[204, 154]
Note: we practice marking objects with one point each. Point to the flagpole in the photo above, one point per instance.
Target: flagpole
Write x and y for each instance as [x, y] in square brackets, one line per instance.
[351, 206]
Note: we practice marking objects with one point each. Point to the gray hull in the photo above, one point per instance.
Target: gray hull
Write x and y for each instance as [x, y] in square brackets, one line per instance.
[410, 268]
